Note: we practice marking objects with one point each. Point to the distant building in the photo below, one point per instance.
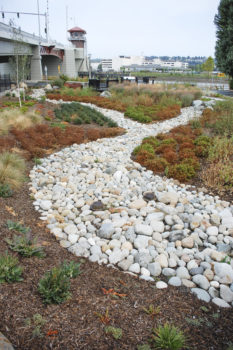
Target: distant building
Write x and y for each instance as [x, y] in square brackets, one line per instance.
[128, 63]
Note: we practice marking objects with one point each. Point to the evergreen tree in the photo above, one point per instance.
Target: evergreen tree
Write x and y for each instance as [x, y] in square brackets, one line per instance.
[224, 45]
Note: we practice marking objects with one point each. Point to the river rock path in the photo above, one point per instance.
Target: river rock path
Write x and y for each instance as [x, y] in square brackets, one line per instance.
[102, 205]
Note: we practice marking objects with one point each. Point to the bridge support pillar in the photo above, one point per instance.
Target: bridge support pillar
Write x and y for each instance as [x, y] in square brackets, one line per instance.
[36, 68]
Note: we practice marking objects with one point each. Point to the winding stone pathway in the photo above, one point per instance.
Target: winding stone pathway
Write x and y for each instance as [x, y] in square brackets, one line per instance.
[101, 205]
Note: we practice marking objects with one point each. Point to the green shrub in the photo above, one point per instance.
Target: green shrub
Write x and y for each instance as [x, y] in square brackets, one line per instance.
[168, 337]
[186, 100]
[58, 82]
[71, 269]
[54, 286]
[137, 115]
[12, 225]
[144, 147]
[5, 191]
[115, 332]
[9, 269]
[182, 171]
[26, 246]
[153, 141]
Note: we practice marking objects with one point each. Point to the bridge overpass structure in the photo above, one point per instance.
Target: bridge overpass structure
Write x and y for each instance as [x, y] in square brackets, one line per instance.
[47, 57]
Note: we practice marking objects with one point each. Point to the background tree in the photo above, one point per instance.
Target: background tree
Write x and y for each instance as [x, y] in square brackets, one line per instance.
[224, 44]
[208, 65]
[20, 61]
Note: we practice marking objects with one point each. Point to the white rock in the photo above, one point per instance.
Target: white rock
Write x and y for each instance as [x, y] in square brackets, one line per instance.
[73, 238]
[45, 204]
[212, 231]
[135, 268]
[161, 285]
[175, 281]
[201, 281]
[182, 273]
[162, 260]
[154, 268]
[220, 302]
[71, 229]
[224, 272]
[141, 242]
[138, 204]
[201, 294]
[226, 294]
[141, 229]
[157, 226]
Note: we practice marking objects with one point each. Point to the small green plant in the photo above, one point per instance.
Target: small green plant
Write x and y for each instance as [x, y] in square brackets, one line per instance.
[71, 269]
[115, 332]
[37, 161]
[54, 286]
[230, 346]
[152, 311]
[16, 226]
[5, 191]
[144, 347]
[216, 315]
[197, 322]
[10, 271]
[168, 337]
[26, 245]
[204, 309]
[226, 260]
[37, 322]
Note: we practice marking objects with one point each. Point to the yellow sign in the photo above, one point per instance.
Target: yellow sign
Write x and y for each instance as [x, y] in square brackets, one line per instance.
[221, 75]
[59, 68]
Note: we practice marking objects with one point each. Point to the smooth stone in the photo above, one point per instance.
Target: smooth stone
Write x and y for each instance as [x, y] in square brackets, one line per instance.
[141, 242]
[73, 238]
[154, 268]
[182, 273]
[149, 196]
[201, 294]
[45, 204]
[188, 283]
[145, 272]
[162, 260]
[135, 268]
[157, 216]
[71, 229]
[196, 271]
[141, 229]
[201, 281]
[220, 302]
[213, 292]
[138, 204]
[168, 272]
[98, 205]
[224, 272]
[209, 274]
[157, 226]
[161, 285]
[226, 294]
[212, 231]
[106, 230]
[187, 242]
[175, 281]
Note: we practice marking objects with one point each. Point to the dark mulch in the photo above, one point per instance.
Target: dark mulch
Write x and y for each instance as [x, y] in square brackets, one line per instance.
[74, 324]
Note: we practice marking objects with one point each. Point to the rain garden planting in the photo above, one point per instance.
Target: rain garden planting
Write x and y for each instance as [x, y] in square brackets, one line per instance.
[52, 299]
[203, 148]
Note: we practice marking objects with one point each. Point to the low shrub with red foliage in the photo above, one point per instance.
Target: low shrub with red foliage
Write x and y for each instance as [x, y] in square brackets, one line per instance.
[168, 112]
[38, 139]
[163, 149]
[7, 142]
[171, 156]
[97, 100]
[73, 85]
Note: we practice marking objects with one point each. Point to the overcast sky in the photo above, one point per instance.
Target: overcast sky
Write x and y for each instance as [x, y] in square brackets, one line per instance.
[127, 27]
